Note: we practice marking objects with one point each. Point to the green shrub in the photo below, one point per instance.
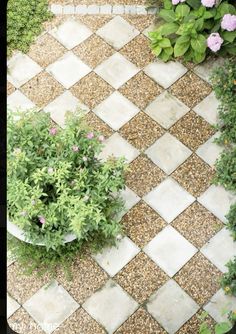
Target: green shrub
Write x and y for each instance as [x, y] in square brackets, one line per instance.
[192, 31]
[228, 282]
[226, 169]
[231, 220]
[57, 184]
[24, 23]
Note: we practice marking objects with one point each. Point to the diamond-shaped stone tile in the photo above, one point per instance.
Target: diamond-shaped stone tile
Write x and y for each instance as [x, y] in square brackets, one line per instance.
[141, 131]
[199, 278]
[12, 306]
[168, 153]
[143, 175]
[217, 200]
[117, 32]
[68, 69]
[190, 89]
[113, 259]
[63, 103]
[116, 70]
[138, 51]
[18, 101]
[141, 90]
[192, 130]
[166, 109]
[45, 50]
[71, 33]
[21, 69]
[118, 147]
[42, 89]
[218, 303]
[197, 224]
[171, 306]
[116, 110]
[220, 249]
[130, 199]
[194, 175]
[169, 199]
[165, 74]
[205, 69]
[210, 151]
[170, 250]
[207, 108]
[110, 306]
[140, 322]
[142, 223]
[51, 306]
[141, 277]
[93, 51]
[91, 90]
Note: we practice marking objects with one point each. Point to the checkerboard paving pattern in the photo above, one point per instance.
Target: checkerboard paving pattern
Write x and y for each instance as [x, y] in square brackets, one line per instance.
[167, 267]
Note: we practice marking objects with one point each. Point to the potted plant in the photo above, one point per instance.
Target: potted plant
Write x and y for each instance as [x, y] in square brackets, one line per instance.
[58, 189]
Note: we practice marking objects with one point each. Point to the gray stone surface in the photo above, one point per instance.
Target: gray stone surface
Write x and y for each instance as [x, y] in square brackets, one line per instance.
[207, 108]
[93, 9]
[105, 9]
[118, 9]
[56, 9]
[12, 306]
[210, 151]
[68, 9]
[18, 101]
[81, 9]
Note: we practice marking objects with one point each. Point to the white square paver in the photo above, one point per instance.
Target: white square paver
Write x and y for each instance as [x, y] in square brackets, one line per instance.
[168, 153]
[169, 199]
[204, 70]
[110, 306]
[113, 259]
[18, 101]
[21, 69]
[71, 33]
[130, 199]
[210, 151]
[12, 306]
[68, 70]
[63, 103]
[218, 304]
[220, 249]
[171, 306]
[50, 306]
[165, 74]
[217, 200]
[118, 147]
[116, 70]
[170, 250]
[166, 109]
[117, 32]
[116, 110]
[207, 108]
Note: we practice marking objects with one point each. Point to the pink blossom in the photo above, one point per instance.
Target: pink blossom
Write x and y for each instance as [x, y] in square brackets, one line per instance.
[85, 158]
[214, 42]
[90, 135]
[50, 170]
[208, 3]
[175, 2]
[101, 138]
[53, 131]
[42, 220]
[75, 148]
[228, 22]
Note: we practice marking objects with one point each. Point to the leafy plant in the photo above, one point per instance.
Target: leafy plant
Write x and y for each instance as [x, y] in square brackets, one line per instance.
[56, 183]
[228, 282]
[24, 23]
[231, 221]
[190, 30]
[219, 328]
[226, 169]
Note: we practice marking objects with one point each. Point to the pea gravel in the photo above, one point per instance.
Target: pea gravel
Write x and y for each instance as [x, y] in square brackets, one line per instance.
[98, 125]
[22, 323]
[10, 88]
[193, 324]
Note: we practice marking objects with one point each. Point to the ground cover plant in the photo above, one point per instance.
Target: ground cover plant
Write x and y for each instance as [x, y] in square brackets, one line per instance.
[221, 327]
[24, 23]
[57, 184]
[193, 29]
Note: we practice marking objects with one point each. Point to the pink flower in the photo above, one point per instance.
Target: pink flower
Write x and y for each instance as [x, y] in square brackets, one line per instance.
[175, 2]
[214, 42]
[90, 135]
[101, 138]
[53, 131]
[85, 158]
[75, 148]
[42, 220]
[50, 170]
[228, 22]
[208, 3]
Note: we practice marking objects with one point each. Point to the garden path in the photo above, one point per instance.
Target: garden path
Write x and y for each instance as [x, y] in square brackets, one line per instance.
[159, 116]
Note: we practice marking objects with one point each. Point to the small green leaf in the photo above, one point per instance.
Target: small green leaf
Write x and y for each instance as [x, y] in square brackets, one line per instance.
[169, 50]
[167, 4]
[169, 28]
[165, 43]
[157, 50]
[229, 36]
[222, 328]
[164, 56]
[182, 10]
[198, 57]
[180, 48]
[199, 44]
[194, 3]
[167, 15]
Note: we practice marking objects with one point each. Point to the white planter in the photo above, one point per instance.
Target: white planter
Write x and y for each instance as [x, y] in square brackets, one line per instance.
[17, 232]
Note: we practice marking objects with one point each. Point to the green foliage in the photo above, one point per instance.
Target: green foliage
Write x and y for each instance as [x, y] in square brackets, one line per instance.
[24, 23]
[228, 282]
[231, 221]
[186, 27]
[56, 183]
[226, 169]
[219, 328]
